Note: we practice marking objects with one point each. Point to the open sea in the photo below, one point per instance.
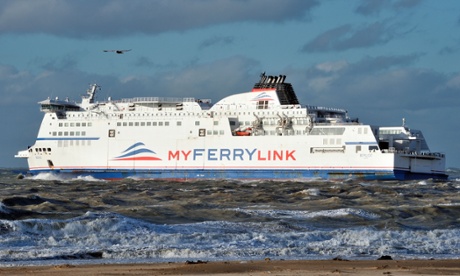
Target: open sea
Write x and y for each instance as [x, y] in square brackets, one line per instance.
[48, 220]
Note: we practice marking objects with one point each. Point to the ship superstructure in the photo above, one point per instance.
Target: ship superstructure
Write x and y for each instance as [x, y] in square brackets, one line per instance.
[262, 134]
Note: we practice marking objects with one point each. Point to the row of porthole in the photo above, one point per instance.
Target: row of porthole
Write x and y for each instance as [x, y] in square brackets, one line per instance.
[40, 150]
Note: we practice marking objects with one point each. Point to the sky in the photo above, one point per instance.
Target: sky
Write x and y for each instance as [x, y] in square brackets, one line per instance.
[382, 60]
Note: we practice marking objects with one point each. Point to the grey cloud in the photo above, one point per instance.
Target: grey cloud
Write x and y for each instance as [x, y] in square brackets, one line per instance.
[88, 18]
[326, 40]
[368, 7]
[371, 7]
[382, 63]
[404, 4]
[216, 40]
[385, 83]
[449, 50]
[345, 37]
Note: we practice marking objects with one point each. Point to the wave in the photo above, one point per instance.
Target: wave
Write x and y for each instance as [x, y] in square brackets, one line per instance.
[63, 178]
[111, 236]
[297, 214]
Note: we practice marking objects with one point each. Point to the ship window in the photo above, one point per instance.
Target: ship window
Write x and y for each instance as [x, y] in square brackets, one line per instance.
[130, 124]
[214, 132]
[49, 149]
[83, 133]
[54, 133]
[166, 123]
[325, 141]
[66, 124]
[90, 124]
[72, 124]
[216, 123]
[197, 123]
[77, 124]
[60, 133]
[262, 104]
[125, 123]
[136, 123]
[178, 123]
[327, 131]
[72, 133]
[142, 123]
[66, 133]
[160, 123]
[77, 133]
[209, 132]
[118, 124]
[221, 132]
[83, 124]
[60, 124]
[358, 148]
[154, 123]
[149, 123]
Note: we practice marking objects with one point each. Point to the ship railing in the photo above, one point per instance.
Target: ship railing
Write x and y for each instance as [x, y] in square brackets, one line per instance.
[322, 108]
[337, 124]
[155, 99]
[434, 154]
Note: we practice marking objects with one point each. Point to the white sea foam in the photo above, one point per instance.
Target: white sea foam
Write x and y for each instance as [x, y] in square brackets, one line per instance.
[121, 238]
[88, 178]
[310, 214]
[311, 192]
[62, 177]
[47, 177]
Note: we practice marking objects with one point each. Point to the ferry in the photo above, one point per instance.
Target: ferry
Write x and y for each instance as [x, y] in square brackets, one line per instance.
[261, 134]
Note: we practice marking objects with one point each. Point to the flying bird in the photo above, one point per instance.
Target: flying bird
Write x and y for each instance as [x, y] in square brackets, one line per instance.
[117, 51]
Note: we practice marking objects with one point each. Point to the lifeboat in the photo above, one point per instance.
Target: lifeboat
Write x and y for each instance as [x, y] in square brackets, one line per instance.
[245, 132]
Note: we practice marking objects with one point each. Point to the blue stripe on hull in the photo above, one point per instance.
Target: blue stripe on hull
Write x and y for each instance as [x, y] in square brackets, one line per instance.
[247, 174]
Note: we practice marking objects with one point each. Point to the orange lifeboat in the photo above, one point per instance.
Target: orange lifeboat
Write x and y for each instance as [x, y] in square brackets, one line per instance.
[245, 132]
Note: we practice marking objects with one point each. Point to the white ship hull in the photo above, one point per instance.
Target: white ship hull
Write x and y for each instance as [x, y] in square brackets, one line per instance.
[245, 136]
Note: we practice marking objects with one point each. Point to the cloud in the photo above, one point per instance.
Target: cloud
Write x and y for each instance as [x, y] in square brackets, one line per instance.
[105, 18]
[384, 83]
[372, 7]
[450, 49]
[368, 7]
[346, 37]
[216, 40]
